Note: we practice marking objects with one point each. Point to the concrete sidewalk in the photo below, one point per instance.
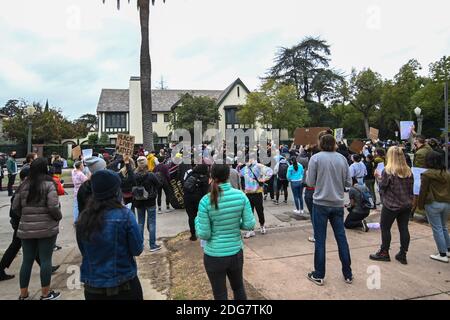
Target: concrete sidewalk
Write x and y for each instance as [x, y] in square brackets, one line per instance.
[277, 263]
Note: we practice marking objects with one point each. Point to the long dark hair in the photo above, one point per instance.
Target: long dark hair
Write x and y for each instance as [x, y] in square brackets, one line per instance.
[201, 169]
[90, 220]
[294, 163]
[435, 160]
[220, 173]
[38, 175]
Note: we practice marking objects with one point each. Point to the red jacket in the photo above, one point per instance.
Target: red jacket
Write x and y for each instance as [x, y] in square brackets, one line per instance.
[59, 186]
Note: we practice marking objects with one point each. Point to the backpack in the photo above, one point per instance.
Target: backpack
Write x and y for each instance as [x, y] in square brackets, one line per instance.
[282, 171]
[191, 184]
[140, 193]
[366, 198]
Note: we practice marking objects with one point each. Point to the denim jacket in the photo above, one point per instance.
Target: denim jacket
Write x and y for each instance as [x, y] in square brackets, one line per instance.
[108, 257]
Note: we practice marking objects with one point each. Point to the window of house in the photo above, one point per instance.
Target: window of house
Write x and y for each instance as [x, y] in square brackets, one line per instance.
[154, 117]
[166, 117]
[116, 121]
[231, 117]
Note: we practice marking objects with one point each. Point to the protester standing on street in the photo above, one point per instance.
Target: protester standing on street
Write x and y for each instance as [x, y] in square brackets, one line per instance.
[329, 173]
[222, 215]
[11, 166]
[128, 181]
[396, 189]
[57, 166]
[255, 176]
[38, 207]
[434, 197]
[163, 174]
[358, 170]
[369, 179]
[295, 177]
[109, 238]
[195, 187]
[282, 182]
[144, 200]
[78, 178]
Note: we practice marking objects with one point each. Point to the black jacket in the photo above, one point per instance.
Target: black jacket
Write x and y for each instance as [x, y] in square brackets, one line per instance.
[147, 180]
[129, 181]
[84, 194]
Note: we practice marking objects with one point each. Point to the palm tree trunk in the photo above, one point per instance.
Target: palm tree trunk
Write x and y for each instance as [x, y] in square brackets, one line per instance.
[146, 74]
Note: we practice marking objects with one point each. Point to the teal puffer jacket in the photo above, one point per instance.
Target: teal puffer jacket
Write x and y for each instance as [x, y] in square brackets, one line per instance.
[222, 228]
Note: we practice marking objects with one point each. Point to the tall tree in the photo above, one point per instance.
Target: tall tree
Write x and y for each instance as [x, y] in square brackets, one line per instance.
[301, 64]
[194, 108]
[275, 104]
[365, 93]
[146, 71]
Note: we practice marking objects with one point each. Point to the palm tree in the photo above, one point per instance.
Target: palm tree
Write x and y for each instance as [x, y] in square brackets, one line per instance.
[146, 72]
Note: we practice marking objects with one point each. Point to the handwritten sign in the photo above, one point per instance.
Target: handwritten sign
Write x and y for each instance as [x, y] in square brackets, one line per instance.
[406, 129]
[76, 153]
[417, 172]
[373, 134]
[87, 153]
[357, 146]
[125, 144]
[305, 136]
[339, 134]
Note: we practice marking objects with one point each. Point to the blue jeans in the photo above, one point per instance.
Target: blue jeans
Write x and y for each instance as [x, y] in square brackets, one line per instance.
[297, 192]
[320, 217]
[151, 223]
[437, 213]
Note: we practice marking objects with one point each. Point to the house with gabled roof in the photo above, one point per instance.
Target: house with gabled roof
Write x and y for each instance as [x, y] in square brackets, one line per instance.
[119, 110]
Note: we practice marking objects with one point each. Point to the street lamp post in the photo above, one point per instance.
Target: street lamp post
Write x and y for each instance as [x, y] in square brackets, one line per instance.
[30, 112]
[419, 115]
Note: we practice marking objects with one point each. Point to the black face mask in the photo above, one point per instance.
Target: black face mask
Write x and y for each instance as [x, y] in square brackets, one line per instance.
[14, 156]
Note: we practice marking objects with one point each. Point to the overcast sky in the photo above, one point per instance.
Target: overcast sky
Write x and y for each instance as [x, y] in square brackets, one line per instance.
[67, 50]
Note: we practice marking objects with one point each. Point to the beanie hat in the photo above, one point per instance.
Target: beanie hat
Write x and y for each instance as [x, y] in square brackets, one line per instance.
[95, 164]
[105, 184]
[142, 162]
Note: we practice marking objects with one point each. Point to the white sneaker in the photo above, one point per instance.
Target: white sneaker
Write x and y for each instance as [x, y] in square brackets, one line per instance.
[448, 253]
[296, 211]
[311, 239]
[302, 212]
[249, 234]
[263, 230]
[438, 257]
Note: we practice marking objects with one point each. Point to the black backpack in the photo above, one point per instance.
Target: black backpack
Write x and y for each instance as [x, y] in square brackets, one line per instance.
[191, 184]
[366, 197]
[282, 171]
[140, 193]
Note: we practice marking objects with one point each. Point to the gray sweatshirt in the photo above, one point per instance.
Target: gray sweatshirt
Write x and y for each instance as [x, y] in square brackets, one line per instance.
[329, 173]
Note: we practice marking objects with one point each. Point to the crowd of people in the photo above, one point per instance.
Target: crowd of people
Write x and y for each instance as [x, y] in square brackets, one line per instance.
[117, 198]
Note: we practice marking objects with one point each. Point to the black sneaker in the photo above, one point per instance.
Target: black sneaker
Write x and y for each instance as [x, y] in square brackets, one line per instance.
[5, 277]
[317, 281]
[57, 248]
[265, 197]
[52, 295]
[193, 238]
[55, 268]
[380, 256]
[155, 248]
[24, 298]
[401, 257]
[348, 280]
[285, 201]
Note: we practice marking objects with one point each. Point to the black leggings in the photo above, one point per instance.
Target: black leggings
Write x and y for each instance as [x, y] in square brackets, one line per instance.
[135, 293]
[159, 200]
[256, 202]
[191, 204]
[354, 219]
[32, 248]
[219, 268]
[387, 219]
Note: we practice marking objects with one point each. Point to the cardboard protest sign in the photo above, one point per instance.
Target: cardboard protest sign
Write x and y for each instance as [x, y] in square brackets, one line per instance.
[305, 136]
[373, 134]
[87, 153]
[405, 129]
[357, 146]
[125, 144]
[76, 153]
[417, 172]
[339, 134]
